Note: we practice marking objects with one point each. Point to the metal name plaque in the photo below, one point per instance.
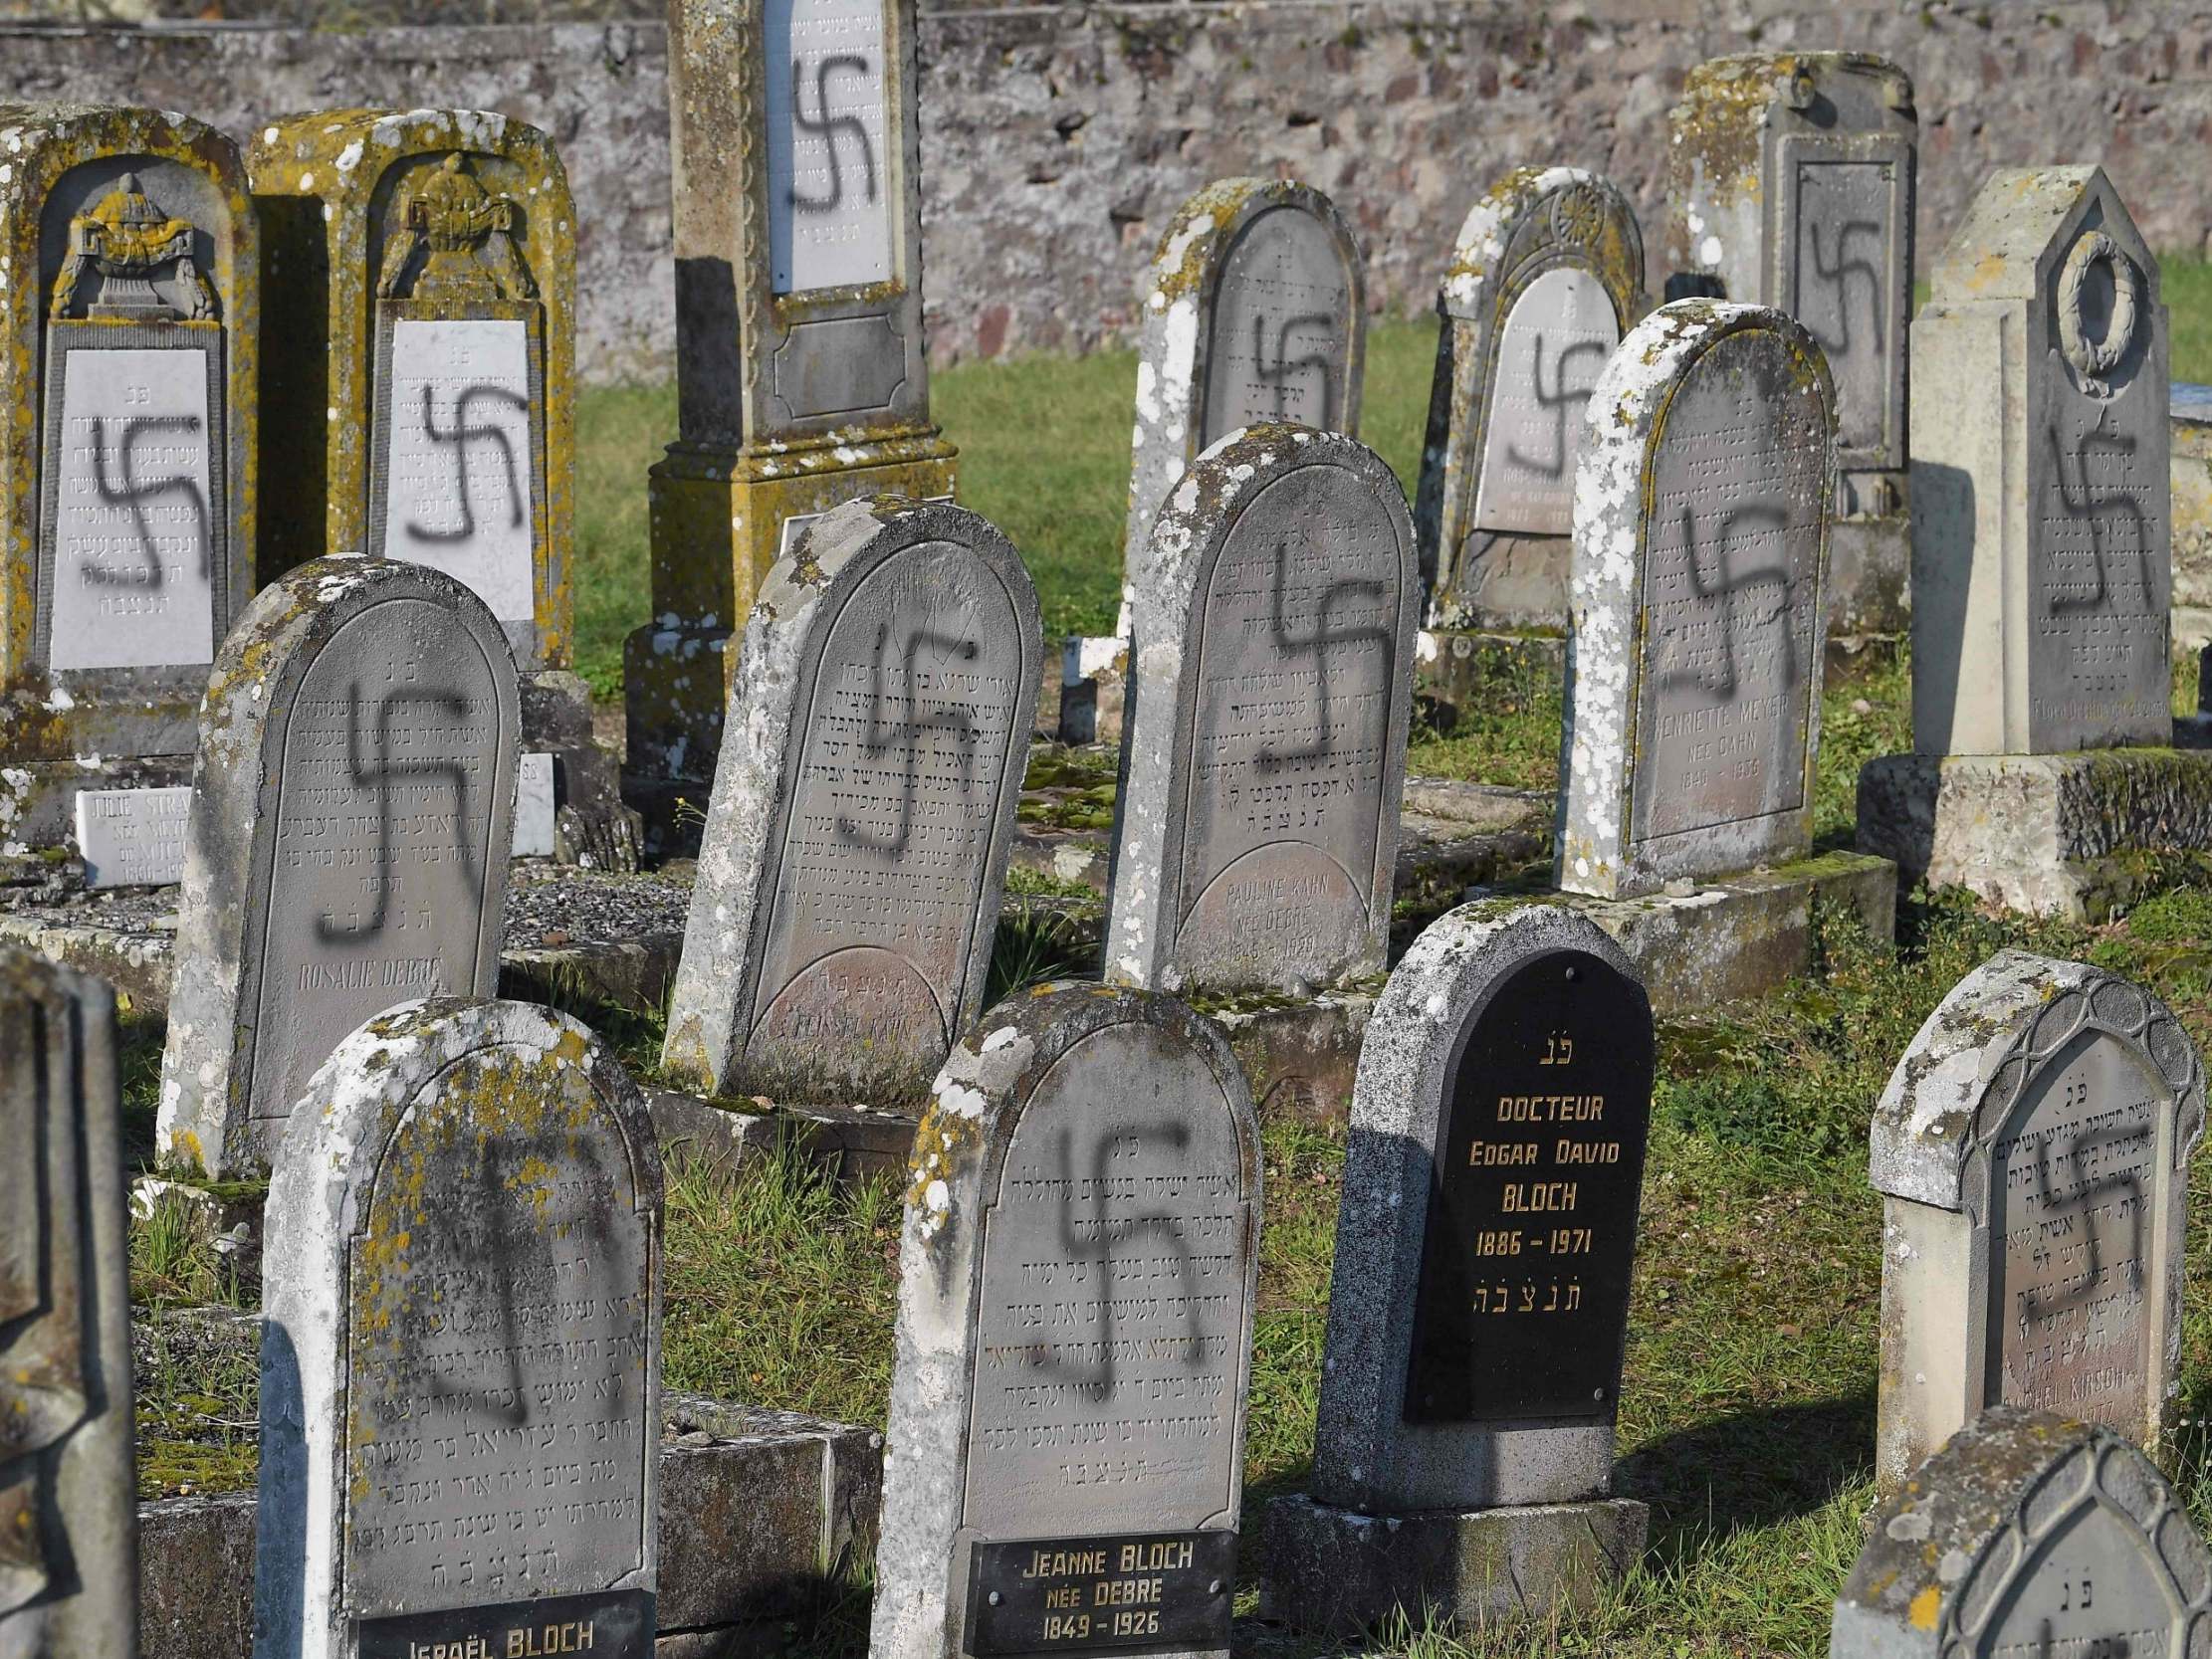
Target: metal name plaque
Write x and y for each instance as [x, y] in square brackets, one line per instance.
[1133, 1593]
[1530, 1241]
[460, 456]
[132, 837]
[132, 524]
[1281, 329]
[1556, 338]
[616, 1624]
[832, 181]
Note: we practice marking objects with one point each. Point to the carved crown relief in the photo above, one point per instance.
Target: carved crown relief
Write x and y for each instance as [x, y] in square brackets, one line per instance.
[117, 253]
[454, 240]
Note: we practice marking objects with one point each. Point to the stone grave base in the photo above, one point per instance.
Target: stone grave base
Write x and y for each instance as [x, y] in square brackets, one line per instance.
[760, 1513]
[858, 1142]
[1870, 565]
[1094, 688]
[1457, 671]
[38, 804]
[2068, 835]
[1338, 1573]
[1735, 936]
[592, 826]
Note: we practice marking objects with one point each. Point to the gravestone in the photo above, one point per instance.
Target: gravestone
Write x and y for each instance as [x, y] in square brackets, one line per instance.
[2033, 1153]
[2029, 1533]
[129, 332]
[351, 820]
[1256, 833]
[1694, 671]
[855, 849]
[1480, 1304]
[1791, 180]
[69, 1503]
[1257, 312]
[1078, 1266]
[1546, 277]
[422, 383]
[2041, 579]
[460, 1363]
[801, 377]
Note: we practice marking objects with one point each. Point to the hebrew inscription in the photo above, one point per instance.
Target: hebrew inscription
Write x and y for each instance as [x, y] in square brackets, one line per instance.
[831, 177]
[1109, 1340]
[1844, 254]
[461, 457]
[912, 726]
[132, 518]
[1731, 592]
[1290, 729]
[2072, 1183]
[382, 837]
[1281, 327]
[1556, 338]
[497, 1345]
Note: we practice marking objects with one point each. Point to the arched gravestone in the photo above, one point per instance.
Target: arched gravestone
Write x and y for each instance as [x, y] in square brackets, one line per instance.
[1479, 1305]
[2031, 1535]
[1256, 833]
[69, 1509]
[1078, 1264]
[352, 816]
[2033, 1151]
[1257, 312]
[460, 1365]
[130, 324]
[1546, 277]
[855, 849]
[1699, 584]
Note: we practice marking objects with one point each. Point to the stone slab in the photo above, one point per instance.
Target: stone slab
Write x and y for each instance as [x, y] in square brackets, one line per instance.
[1340, 1572]
[2068, 835]
[132, 837]
[534, 805]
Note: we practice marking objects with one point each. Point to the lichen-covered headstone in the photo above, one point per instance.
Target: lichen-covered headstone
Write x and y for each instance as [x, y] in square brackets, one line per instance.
[1078, 1266]
[801, 376]
[1257, 312]
[1693, 668]
[1546, 277]
[2030, 1535]
[459, 1362]
[1480, 1304]
[421, 295]
[850, 872]
[1257, 824]
[130, 321]
[1791, 180]
[2033, 1151]
[351, 820]
[69, 1504]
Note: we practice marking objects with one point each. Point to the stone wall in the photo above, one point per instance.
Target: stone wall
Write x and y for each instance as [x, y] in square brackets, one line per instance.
[1057, 140]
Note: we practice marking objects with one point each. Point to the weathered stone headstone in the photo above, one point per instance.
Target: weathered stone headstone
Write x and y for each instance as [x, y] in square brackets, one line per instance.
[1256, 838]
[801, 376]
[460, 1363]
[1257, 312]
[2040, 573]
[1694, 671]
[351, 820]
[1546, 277]
[1480, 1304]
[1791, 181]
[2034, 1535]
[850, 872]
[1078, 1267]
[422, 293]
[2032, 1148]
[69, 1503]
[130, 321]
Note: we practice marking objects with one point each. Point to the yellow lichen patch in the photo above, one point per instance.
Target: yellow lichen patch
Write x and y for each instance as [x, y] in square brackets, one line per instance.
[1925, 1606]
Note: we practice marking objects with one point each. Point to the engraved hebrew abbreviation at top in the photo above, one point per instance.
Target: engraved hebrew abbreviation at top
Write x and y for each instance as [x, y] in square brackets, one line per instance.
[392, 779]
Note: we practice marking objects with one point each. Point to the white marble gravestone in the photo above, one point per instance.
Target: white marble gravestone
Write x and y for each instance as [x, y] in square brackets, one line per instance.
[347, 849]
[828, 162]
[856, 848]
[68, 1511]
[1693, 668]
[1078, 1264]
[460, 1390]
[2032, 1151]
[1257, 828]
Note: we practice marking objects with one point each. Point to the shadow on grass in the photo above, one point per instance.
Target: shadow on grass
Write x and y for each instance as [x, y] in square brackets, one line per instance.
[1751, 1470]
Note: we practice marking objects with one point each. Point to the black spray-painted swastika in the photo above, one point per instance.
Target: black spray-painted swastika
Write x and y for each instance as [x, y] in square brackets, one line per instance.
[462, 435]
[137, 494]
[829, 126]
[384, 773]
